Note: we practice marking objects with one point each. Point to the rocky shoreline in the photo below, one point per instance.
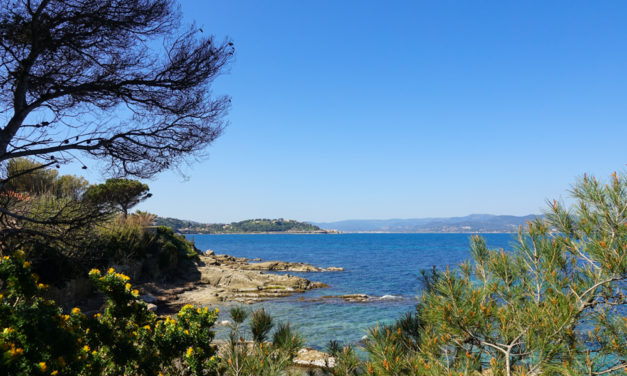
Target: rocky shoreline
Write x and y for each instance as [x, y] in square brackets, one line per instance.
[223, 278]
[215, 279]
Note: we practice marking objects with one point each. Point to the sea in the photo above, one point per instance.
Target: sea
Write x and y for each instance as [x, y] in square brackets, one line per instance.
[386, 267]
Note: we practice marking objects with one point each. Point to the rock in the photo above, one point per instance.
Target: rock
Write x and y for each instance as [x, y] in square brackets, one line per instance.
[313, 358]
[334, 269]
[151, 307]
[230, 258]
[287, 266]
[241, 263]
[317, 285]
[281, 266]
[148, 298]
[224, 323]
[218, 283]
[355, 297]
[351, 298]
[219, 278]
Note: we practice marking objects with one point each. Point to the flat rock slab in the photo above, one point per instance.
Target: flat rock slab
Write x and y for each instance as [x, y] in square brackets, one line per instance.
[242, 263]
[353, 298]
[224, 278]
[288, 266]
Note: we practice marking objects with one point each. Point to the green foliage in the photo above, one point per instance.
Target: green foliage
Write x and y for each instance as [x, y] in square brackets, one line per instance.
[285, 339]
[388, 355]
[117, 240]
[37, 338]
[239, 315]
[270, 225]
[43, 213]
[259, 358]
[260, 325]
[65, 234]
[26, 176]
[347, 363]
[70, 186]
[120, 194]
[141, 218]
[180, 225]
[184, 247]
[555, 305]
[66, 231]
[53, 237]
[128, 242]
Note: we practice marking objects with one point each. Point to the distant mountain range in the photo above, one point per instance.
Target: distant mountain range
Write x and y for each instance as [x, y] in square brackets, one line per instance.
[469, 223]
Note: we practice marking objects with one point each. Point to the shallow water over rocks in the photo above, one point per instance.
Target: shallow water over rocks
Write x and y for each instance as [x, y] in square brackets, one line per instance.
[384, 269]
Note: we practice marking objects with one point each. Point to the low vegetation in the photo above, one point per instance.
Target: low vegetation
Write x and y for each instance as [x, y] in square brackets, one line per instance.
[258, 357]
[73, 227]
[38, 335]
[38, 338]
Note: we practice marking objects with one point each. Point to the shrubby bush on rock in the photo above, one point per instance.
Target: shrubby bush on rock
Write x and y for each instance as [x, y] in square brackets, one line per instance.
[258, 357]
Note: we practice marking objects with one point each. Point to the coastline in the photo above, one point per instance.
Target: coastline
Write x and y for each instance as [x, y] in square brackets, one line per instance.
[224, 278]
[264, 233]
[331, 232]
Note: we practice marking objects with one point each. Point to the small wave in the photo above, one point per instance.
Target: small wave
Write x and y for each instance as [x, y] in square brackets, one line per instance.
[391, 297]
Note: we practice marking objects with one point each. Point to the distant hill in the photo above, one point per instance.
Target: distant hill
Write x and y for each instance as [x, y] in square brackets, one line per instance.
[469, 223]
[249, 226]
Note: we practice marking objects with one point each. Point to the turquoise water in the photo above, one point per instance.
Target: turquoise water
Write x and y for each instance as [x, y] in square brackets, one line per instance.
[374, 264]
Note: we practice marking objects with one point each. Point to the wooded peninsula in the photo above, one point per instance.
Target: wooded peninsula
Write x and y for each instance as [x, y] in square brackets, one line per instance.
[249, 226]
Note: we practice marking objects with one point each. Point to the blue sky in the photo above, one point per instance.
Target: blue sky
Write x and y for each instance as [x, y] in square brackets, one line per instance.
[364, 109]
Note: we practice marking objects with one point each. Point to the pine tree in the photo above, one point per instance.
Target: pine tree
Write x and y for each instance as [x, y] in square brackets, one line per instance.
[553, 305]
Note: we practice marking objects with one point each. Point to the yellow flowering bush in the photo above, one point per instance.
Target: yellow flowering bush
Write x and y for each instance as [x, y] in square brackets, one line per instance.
[37, 338]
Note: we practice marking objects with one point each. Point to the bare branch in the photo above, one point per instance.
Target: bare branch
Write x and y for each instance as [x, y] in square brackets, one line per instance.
[72, 59]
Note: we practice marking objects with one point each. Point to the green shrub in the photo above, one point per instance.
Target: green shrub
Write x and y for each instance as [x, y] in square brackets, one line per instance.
[127, 242]
[184, 247]
[239, 315]
[121, 241]
[285, 339]
[347, 363]
[168, 255]
[260, 325]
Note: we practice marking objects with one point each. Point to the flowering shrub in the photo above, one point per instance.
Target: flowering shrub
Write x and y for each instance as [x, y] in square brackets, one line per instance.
[37, 338]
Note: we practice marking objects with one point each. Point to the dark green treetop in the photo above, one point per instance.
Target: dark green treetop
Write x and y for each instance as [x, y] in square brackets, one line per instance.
[120, 194]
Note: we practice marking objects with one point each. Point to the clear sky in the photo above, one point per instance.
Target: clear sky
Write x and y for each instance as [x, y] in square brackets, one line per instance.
[406, 109]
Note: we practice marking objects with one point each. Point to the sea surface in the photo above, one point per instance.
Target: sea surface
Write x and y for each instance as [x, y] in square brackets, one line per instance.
[374, 264]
